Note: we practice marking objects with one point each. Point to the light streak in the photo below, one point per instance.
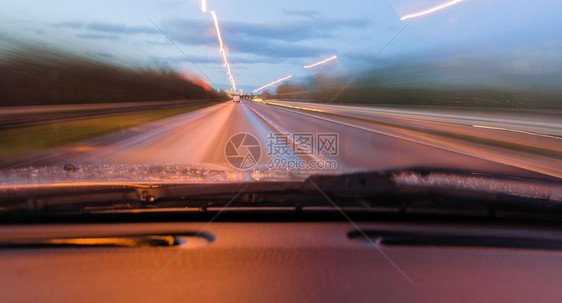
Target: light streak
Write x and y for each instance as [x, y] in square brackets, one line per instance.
[217, 28]
[320, 62]
[223, 52]
[270, 84]
[204, 5]
[431, 10]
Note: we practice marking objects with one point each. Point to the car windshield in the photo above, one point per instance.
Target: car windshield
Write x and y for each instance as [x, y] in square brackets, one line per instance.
[210, 92]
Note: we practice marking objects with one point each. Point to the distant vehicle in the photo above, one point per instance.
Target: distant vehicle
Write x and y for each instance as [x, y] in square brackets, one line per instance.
[236, 99]
[257, 100]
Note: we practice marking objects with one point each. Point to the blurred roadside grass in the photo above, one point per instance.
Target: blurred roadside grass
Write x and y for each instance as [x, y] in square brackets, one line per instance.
[16, 142]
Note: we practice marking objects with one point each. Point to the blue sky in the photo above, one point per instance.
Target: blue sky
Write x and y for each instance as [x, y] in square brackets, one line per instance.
[267, 40]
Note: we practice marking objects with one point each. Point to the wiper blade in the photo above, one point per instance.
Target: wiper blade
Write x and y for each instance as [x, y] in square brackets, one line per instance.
[402, 189]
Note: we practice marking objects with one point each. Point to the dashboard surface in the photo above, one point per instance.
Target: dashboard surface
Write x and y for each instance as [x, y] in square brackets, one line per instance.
[277, 262]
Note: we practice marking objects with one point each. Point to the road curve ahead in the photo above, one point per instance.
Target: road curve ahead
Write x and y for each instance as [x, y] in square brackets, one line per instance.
[306, 136]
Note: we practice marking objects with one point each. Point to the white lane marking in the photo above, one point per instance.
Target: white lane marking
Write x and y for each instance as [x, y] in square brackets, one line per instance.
[289, 137]
[516, 131]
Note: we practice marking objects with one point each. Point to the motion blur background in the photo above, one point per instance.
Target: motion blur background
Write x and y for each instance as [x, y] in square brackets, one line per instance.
[474, 55]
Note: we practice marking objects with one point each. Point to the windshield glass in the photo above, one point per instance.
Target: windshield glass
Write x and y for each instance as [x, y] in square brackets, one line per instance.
[159, 92]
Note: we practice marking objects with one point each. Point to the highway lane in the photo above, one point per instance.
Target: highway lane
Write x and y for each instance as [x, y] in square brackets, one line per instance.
[537, 147]
[523, 127]
[368, 143]
[200, 137]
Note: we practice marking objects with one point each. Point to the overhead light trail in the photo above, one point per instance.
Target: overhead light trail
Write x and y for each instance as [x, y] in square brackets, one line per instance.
[321, 62]
[204, 5]
[431, 10]
[270, 84]
[217, 28]
[223, 52]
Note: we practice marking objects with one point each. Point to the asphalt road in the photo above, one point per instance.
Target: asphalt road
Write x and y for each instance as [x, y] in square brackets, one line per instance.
[338, 139]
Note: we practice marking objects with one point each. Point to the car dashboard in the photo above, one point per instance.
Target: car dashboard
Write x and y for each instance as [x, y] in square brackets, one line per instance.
[280, 262]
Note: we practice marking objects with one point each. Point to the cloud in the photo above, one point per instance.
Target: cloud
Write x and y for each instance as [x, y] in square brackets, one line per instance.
[35, 30]
[271, 40]
[357, 56]
[276, 50]
[293, 31]
[68, 24]
[287, 39]
[193, 31]
[120, 28]
[234, 59]
[99, 37]
[100, 55]
[103, 27]
[190, 32]
[302, 13]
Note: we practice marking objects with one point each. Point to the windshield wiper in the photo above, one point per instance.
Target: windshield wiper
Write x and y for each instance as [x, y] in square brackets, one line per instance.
[404, 191]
